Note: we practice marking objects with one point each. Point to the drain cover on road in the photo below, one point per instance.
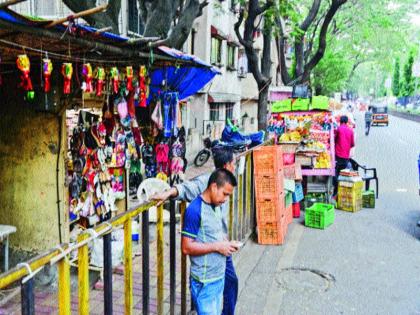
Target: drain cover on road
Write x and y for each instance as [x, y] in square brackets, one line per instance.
[304, 279]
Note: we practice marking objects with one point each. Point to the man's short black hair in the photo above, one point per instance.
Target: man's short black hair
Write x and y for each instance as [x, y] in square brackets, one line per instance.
[222, 176]
[222, 156]
[344, 119]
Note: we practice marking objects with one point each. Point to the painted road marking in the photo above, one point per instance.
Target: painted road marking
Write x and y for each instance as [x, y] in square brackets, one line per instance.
[401, 190]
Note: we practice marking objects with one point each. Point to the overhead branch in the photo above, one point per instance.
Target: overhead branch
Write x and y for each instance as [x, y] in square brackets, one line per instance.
[5, 4]
[280, 45]
[335, 6]
[267, 5]
[237, 30]
[201, 8]
[313, 36]
[313, 12]
[179, 33]
[99, 20]
[299, 39]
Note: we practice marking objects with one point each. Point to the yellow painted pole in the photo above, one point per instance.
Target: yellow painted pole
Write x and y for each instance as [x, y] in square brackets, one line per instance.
[64, 304]
[128, 268]
[83, 265]
[231, 200]
[160, 273]
[183, 267]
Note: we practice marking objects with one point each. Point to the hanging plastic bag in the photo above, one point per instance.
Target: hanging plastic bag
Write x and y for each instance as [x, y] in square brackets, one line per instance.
[157, 115]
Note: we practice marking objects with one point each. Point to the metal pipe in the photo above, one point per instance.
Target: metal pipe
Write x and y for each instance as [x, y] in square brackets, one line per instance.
[182, 207]
[172, 259]
[107, 274]
[27, 296]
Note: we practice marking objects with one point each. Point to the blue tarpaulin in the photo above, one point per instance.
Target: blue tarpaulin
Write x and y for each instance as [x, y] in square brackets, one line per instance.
[185, 79]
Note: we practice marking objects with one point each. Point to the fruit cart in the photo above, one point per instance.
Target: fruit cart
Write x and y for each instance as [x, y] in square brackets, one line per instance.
[312, 132]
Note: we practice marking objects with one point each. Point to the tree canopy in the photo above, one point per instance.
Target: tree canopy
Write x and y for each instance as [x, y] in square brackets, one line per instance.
[171, 20]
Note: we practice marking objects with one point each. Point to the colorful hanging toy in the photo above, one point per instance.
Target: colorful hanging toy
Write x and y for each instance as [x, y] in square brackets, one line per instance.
[100, 79]
[67, 72]
[142, 79]
[24, 66]
[115, 79]
[47, 70]
[87, 75]
[129, 73]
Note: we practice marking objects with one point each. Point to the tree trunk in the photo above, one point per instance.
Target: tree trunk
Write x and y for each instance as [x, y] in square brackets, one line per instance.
[262, 105]
[159, 19]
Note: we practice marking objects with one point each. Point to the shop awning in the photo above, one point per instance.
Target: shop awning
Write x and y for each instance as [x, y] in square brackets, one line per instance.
[217, 33]
[223, 97]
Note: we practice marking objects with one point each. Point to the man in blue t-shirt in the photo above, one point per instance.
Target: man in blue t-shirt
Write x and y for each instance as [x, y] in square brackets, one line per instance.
[204, 239]
[189, 190]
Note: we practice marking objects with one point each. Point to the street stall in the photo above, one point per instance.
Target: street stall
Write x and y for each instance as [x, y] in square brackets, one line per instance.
[307, 139]
[93, 113]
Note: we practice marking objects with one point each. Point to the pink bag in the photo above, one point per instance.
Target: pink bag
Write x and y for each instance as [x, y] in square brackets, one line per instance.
[122, 109]
[288, 158]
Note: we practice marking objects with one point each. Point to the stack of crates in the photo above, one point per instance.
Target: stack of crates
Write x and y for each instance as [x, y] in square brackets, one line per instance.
[270, 199]
[368, 198]
[350, 196]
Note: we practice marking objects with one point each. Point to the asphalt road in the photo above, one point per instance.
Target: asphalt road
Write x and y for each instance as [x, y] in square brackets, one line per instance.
[366, 262]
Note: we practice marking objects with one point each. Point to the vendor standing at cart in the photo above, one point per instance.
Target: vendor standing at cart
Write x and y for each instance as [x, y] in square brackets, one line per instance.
[344, 142]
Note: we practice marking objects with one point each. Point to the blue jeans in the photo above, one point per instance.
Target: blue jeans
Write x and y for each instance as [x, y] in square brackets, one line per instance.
[230, 291]
[207, 297]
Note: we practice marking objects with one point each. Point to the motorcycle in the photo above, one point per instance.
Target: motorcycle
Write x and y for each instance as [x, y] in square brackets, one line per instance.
[231, 137]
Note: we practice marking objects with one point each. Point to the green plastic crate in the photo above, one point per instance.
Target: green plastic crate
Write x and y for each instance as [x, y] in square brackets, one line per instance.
[312, 198]
[320, 102]
[300, 104]
[281, 106]
[368, 198]
[319, 216]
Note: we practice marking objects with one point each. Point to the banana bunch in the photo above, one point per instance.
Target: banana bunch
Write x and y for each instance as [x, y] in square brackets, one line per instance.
[316, 145]
[323, 160]
[293, 136]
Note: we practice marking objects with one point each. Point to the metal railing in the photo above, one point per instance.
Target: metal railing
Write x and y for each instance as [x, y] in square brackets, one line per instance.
[241, 225]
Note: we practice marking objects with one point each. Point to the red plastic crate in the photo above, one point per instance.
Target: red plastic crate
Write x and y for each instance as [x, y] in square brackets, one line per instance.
[273, 233]
[268, 186]
[270, 209]
[268, 160]
[296, 210]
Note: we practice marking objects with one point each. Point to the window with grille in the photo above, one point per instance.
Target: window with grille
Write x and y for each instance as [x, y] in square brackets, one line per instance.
[214, 111]
[242, 64]
[231, 57]
[216, 51]
[229, 110]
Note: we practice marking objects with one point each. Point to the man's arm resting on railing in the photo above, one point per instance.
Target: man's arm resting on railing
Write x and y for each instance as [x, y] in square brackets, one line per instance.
[193, 248]
[186, 191]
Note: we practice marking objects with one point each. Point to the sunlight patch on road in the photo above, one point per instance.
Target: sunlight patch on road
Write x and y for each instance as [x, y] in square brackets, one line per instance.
[401, 190]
